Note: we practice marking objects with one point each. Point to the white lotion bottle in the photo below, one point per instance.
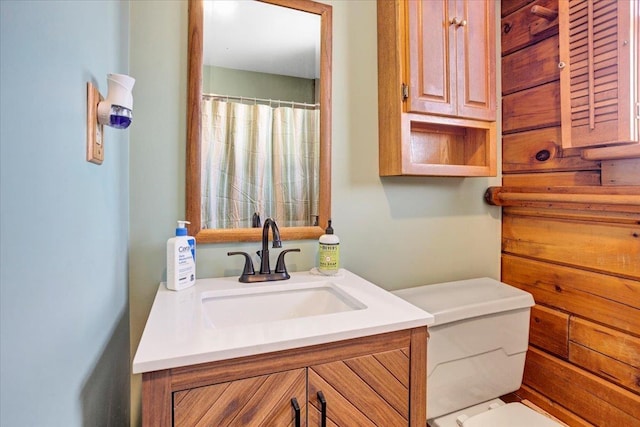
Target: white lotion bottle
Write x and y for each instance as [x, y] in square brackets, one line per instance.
[181, 259]
[329, 252]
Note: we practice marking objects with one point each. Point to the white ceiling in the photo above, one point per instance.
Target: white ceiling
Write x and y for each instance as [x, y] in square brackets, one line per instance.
[255, 36]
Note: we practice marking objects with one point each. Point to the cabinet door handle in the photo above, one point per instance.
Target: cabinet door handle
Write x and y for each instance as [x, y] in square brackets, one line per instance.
[296, 408]
[323, 409]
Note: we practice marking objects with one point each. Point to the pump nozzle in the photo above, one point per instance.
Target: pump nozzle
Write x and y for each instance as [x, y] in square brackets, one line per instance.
[329, 229]
[182, 229]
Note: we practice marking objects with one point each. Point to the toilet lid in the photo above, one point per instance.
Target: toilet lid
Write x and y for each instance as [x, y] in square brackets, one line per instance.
[510, 415]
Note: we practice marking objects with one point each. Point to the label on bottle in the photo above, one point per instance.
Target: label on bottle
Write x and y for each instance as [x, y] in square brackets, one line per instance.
[181, 265]
[329, 258]
[186, 263]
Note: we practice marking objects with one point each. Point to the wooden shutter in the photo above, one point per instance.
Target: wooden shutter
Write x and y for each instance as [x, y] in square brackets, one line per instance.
[598, 93]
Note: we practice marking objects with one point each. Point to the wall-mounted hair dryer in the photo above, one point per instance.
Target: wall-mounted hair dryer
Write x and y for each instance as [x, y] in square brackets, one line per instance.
[116, 110]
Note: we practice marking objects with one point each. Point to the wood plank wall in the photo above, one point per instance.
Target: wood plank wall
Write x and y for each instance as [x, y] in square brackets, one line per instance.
[582, 269]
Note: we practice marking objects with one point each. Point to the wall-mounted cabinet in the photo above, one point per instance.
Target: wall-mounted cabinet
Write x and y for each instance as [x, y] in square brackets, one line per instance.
[436, 87]
[599, 80]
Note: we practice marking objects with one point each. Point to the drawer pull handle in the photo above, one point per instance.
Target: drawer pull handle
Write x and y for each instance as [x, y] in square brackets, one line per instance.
[296, 408]
[323, 409]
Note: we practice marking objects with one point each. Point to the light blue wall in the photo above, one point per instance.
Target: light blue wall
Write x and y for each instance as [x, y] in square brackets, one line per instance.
[396, 232]
[64, 222]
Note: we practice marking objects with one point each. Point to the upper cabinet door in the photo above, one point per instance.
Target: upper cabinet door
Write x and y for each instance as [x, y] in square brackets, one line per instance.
[452, 58]
[599, 72]
[476, 56]
[432, 66]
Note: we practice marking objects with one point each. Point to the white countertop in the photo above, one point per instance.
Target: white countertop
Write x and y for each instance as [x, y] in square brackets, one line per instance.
[178, 333]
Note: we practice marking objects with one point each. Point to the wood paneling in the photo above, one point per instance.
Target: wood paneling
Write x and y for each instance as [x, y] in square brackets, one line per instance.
[510, 6]
[605, 340]
[534, 108]
[601, 297]
[606, 352]
[621, 172]
[532, 67]
[549, 329]
[569, 241]
[593, 398]
[521, 28]
[564, 415]
[552, 179]
[540, 151]
[613, 248]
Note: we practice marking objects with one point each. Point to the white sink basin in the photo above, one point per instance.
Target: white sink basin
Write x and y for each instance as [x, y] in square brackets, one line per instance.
[279, 302]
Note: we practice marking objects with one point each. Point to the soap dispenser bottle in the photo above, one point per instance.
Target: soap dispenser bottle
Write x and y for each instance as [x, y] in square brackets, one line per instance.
[329, 252]
[181, 259]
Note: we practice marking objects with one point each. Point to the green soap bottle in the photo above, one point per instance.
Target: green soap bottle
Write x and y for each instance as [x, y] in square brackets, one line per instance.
[329, 252]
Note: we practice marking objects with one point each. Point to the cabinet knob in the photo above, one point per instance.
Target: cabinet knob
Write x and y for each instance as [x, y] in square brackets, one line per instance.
[561, 64]
[458, 22]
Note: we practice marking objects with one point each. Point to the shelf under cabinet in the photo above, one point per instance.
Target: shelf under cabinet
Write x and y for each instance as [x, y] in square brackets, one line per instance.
[441, 146]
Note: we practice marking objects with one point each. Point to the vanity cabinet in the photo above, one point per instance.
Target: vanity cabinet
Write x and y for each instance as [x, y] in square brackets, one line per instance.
[437, 87]
[377, 380]
[599, 83]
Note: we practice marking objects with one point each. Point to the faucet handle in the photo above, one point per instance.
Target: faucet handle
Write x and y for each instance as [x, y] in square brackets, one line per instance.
[280, 267]
[248, 264]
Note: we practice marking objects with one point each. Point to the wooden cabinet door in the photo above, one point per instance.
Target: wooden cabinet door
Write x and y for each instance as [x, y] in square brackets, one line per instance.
[362, 391]
[452, 58]
[475, 59]
[258, 401]
[432, 67]
[599, 72]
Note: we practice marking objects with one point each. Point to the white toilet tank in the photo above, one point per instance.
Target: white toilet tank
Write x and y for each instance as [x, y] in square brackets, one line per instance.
[478, 343]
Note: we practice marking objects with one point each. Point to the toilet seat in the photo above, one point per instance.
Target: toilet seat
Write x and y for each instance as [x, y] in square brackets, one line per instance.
[510, 415]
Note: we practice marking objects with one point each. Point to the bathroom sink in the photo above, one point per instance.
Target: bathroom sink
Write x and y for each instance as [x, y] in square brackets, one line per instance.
[269, 304]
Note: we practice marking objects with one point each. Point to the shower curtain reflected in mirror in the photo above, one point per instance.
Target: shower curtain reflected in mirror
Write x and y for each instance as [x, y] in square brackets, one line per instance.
[257, 158]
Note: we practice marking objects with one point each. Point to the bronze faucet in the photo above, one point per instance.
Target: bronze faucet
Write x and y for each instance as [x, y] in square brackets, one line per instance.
[265, 275]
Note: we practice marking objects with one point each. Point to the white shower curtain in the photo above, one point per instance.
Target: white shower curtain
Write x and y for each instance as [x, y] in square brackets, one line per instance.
[256, 158]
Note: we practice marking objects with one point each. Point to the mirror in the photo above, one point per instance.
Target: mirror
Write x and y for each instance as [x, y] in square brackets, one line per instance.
[198, 99]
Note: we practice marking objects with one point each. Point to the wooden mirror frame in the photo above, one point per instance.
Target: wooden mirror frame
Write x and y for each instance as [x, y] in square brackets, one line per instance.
[194, 119]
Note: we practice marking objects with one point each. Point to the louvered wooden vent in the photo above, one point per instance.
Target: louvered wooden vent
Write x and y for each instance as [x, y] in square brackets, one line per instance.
[596, 79]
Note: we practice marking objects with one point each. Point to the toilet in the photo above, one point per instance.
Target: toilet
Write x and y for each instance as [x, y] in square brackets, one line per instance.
[476, 353]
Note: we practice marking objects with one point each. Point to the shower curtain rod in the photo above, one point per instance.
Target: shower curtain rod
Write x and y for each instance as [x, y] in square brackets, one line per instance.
[246, 99]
